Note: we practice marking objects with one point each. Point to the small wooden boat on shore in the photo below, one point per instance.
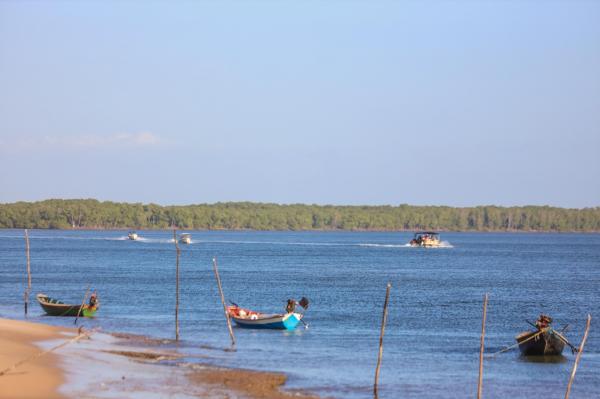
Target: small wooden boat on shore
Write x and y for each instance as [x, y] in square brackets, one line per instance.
[246, 318]
[54, 307]
[133, 235]
[185, 238]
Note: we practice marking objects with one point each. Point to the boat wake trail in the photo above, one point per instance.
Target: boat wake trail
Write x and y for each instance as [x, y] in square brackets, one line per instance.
[384, 245]
[139, 239]
[443, 245]
[122, 238]
[156, 240]
[309, 244]
[323, 244]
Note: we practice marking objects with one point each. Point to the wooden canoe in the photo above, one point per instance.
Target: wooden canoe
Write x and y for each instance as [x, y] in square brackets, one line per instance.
[246, 318]
[545, 344]
[54, 307]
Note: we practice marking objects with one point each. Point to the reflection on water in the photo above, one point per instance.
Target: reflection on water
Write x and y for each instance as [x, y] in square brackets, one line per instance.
[544, 359]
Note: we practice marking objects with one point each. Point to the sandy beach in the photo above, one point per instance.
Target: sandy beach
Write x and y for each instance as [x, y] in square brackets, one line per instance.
[116, 366]
[40, 378]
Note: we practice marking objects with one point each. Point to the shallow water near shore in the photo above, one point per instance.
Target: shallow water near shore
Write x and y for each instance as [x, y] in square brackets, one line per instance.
[432, 336]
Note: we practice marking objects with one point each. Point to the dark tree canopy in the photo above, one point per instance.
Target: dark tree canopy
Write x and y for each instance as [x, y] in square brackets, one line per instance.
[93, 214]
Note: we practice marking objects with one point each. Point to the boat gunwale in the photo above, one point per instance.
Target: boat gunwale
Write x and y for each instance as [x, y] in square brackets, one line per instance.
[63, 306]
[274, 317]
[46, 303]
[525, 334]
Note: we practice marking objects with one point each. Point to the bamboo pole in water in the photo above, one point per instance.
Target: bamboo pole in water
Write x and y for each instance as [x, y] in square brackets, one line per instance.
[82, 303]
[383, 321]
[178, 252]
[480, 383]
[223, 302]
[28, 290]
[579, 352]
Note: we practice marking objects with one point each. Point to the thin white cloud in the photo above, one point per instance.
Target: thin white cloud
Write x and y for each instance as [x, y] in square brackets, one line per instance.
[114, 141]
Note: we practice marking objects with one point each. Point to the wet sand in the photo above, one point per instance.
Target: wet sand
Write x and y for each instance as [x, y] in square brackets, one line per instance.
[118, 366]
[40, 378]
[252, 384]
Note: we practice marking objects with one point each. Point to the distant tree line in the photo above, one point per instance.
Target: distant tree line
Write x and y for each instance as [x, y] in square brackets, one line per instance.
[93, 214]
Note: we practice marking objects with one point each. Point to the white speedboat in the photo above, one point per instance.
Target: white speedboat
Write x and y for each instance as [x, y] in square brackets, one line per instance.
[133, 235]
[427, 239]
[185, 238]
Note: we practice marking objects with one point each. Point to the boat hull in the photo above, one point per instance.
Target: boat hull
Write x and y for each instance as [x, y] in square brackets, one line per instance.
[62, 309]
[275, 322]
[426, 239]
[427, 245]
[546, 344]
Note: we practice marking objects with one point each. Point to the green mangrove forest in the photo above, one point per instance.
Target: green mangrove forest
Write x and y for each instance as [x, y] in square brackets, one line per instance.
[93, 214]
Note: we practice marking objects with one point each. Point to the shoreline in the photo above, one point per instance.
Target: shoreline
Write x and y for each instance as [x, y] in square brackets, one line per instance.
[440, 230]
[117, 365]
[40, 377]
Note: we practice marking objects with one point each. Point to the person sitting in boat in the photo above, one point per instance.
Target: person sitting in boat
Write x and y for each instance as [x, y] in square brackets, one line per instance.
[543, 321]
[291, 306]
[93, 300]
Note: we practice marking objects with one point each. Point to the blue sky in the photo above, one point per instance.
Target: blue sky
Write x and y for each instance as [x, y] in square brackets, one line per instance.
[426, 103]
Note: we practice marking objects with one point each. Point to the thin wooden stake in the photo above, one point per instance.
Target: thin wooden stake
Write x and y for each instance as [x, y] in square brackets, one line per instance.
[82, 303]
[383, 321]
[223, 302]
[579, 352]
[176, 286]
[28, 290]
[480, 383]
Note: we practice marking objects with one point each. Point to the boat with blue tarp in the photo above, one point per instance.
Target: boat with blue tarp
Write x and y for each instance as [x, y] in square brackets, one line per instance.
[246, 318]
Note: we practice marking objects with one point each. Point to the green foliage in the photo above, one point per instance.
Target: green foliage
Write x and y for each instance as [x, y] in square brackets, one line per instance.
[92, 214]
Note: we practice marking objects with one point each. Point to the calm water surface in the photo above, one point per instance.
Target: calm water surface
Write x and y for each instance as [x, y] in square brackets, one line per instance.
[431, 345]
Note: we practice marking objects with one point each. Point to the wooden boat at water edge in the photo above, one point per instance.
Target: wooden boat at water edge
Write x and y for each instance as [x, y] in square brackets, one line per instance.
[54, 307]
[246, 318]
[250, 319]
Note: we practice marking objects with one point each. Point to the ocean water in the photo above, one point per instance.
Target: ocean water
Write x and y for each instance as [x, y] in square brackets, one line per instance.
[431, 344]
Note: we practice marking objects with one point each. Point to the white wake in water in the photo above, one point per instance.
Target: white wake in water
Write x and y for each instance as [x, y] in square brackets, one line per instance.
[157, 240]
[443, 245]
[324, 244]
[150, 240]
[140, 239]
[384, 245]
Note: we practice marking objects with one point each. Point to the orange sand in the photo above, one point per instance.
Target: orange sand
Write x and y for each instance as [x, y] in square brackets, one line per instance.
[137, 371]
[39, 378]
